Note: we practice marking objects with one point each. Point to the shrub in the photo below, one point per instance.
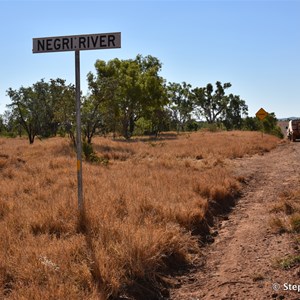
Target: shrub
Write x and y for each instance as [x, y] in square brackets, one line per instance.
[91, 156]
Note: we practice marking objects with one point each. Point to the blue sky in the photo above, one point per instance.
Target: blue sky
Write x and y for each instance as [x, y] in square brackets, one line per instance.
[254, 45]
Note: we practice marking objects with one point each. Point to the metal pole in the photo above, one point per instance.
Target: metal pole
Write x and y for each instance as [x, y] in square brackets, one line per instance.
[78, 130]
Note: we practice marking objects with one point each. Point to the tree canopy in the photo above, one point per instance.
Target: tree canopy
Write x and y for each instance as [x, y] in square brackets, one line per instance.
[41, 108]
[180, 103]
[125, 97]
[215, 105]
[138, 90]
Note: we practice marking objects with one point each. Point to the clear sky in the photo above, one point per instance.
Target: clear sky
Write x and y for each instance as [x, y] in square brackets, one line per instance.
[254, 45]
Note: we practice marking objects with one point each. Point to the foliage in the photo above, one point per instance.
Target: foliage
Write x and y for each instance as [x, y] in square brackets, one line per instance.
[9, 125]
[127, 97]
[209, 105]
[91, 156]
[269, 125]
[2, 126]
[24, 105]
[40, 109]
[215, 105]
[63, 106]
[97, 114]
[180, 103]
[213, 127]
[142, 126]
[232, 115]
[138, 90]
[192, 125]
[251, 124]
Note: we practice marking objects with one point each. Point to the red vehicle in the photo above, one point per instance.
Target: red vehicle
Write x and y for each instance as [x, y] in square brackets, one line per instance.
[293, 130]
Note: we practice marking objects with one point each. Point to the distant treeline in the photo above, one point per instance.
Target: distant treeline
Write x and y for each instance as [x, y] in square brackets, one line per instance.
[126, 97]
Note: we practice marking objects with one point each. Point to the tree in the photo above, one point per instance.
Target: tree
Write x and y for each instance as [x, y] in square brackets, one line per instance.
[160, 121]
[252, 124]
[25, 105]
[11, 124]
[138, 90]
[37, 107]
[232, 115]
[208, 104]
[267, 125]
[215, 105]
[2, 125]
[270, 126]
[64, 107]
[180, 103]
[99, 108]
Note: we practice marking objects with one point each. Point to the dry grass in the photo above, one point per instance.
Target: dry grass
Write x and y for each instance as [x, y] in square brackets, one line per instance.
[144, 212]
[286, 213]
[285, 219]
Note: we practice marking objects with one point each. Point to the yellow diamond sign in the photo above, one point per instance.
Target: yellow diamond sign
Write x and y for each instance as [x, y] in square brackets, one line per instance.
[261, 114]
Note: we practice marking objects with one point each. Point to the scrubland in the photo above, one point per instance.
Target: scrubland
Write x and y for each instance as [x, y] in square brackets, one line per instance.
[147, 212]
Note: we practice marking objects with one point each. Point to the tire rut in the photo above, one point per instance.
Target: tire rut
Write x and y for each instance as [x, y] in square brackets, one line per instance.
[240, 263]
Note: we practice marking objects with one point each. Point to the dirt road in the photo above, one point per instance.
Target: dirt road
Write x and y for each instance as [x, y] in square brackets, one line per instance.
[240, 264]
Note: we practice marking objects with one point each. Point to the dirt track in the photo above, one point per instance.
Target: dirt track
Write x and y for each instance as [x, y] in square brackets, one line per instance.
[240, 263]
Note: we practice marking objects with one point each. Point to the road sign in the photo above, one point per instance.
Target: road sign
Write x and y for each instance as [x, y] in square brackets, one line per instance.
[261, 114]
[77, 42]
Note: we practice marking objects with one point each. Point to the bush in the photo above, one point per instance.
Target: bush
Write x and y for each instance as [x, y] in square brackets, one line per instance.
[87, 150]
[91, 156]
[277, 132]
[213, 127]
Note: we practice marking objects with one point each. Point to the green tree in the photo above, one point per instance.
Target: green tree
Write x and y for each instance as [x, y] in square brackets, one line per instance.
[180, 103]
[216, 106]
[2, 125]
[252, 124]
[233, 114]
[270, 126]
[37, 107]
[25, 105]
[210, 103]
[138, 90]
[100, 110]
[63, 107]
[160, 121]
[12, 126]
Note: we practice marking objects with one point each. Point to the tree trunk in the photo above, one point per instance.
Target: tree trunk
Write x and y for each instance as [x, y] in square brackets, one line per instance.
[131, 125]
[31, 138]
[89, 139]
[125, 129]
[73, 139]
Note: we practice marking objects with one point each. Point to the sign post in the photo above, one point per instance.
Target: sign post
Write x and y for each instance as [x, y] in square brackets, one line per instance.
[76, 43]
[78, 130]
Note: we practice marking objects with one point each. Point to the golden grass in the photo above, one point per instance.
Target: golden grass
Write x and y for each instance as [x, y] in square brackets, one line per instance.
[144, 212]
[285, 218]
[285, 215]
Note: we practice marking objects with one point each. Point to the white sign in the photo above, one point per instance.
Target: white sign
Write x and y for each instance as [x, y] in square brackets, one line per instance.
[77, 42]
